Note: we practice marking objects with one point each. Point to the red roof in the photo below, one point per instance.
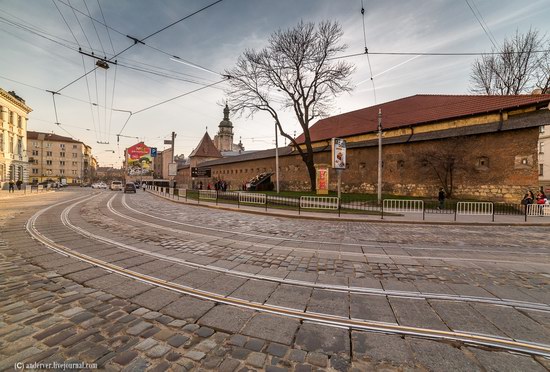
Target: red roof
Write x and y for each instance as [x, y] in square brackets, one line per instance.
[206, 148]
[414, 110]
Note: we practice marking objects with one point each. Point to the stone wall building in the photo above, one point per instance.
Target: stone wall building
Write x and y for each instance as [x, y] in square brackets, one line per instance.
[14, 164]
[487, 145]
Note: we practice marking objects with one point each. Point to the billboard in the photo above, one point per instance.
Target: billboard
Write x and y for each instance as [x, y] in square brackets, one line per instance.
[338, 153]
[139, 160]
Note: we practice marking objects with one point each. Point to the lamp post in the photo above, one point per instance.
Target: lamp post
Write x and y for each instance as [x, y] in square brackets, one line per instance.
[379, 156]
[276, 158]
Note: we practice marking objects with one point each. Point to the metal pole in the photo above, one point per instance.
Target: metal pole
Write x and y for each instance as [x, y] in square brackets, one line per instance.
[379, 156]
[276, 159]
[173, 155]
[339, 174]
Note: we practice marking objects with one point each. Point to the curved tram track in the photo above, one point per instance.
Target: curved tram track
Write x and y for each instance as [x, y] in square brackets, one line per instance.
[531, 348]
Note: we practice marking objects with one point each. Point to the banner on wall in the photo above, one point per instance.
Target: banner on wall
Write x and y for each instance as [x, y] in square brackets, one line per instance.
[139, 160]
[338, 153]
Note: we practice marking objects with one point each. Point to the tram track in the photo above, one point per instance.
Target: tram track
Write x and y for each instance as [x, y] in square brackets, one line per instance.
[520, 305]
[343, 244]
[510, 344]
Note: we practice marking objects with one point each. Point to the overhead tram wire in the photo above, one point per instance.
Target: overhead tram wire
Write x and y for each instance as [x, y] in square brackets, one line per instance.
[367, 52]
[483, 24]
[437, 54]
[141, 41]
[83, 65]
[166, 101]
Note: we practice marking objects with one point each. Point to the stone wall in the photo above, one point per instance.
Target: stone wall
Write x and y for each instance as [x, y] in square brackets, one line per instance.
[498, 166]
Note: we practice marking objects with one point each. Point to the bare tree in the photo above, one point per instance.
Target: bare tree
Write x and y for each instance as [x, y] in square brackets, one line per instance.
[294, 72]
[518, 66]
[444, 160]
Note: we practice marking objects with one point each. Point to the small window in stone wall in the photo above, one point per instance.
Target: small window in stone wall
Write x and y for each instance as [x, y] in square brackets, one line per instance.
[482, 163]
[400, 164]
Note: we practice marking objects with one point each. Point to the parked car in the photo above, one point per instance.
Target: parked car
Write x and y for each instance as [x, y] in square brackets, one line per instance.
[116, 185]
[130, 187]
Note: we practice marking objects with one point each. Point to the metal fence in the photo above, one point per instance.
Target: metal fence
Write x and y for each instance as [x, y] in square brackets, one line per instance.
[350, 205]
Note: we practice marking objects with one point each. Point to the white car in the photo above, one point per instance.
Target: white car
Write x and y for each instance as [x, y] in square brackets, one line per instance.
[116, 185]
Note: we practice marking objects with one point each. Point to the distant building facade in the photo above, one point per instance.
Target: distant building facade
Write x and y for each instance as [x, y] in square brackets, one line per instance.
[14, 164]
[53, 158]
[490, 144]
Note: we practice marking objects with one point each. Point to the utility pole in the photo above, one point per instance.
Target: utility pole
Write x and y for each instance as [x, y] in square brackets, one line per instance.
[173, 157]
[379, 156]
[276, 158]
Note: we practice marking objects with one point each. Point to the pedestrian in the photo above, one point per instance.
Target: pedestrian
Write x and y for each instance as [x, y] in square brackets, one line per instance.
[18, 184]
[441, 198]
[527, 198]
[11, 186]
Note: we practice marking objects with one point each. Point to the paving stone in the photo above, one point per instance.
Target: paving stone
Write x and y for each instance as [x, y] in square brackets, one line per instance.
[164, 335]
[277, 349]
[340, 363]
[82, 317]
[52, 330]
[58, 338]
[240, 353]
[272, 328]
[191, 327]
[204, 332]
[228, 365]
[437, 356]
[304, 368]
[226, 318]
[177, 340]
[178, 323]
[162, 366]
[138, 328]
[256, 359]
[72, 311]
[237, 340]
[150, 332]
[146, 344]
[140, 311]
[275, 369]
[254, 344]
[9, 362]
[317, 359]
[296, 355]
[493, 361]
[195, 355]
[319, 338]
[125, 357]
[151, 315]
[157, 351]
[138, 365]
[187, 308]
[172, 356]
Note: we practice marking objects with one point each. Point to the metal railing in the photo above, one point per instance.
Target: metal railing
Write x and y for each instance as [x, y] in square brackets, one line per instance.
[349, 205]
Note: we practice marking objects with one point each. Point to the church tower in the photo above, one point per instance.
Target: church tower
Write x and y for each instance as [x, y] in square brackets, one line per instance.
[224, 139]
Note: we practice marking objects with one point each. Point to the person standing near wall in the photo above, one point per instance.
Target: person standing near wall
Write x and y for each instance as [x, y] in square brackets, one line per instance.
[441, 198]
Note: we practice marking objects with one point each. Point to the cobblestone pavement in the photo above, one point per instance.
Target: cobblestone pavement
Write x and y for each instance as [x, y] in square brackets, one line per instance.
[57, 309]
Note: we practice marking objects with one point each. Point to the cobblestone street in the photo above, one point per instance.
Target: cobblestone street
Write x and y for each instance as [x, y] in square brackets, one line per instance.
[135, 282]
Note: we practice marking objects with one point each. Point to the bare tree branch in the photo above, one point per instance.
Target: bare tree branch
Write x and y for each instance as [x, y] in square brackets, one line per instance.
[518, 68]
[294, 72]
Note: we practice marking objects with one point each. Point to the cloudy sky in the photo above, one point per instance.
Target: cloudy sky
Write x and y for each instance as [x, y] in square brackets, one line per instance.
[40, 42]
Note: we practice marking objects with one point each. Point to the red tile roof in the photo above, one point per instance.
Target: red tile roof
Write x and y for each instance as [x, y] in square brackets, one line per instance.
[206, 148]
[414, 110]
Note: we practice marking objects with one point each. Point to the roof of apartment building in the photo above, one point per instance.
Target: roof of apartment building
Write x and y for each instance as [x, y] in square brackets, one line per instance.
[49, 137]
[418, 109]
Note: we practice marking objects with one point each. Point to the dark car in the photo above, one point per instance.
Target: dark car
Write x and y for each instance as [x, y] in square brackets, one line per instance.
[130, 187]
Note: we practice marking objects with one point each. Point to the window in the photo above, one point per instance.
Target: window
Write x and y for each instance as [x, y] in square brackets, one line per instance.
[62, 145]
[74, 146]
[34, 171]
[75, 155]
[62, 154]
[48, 144]
[20, 122]
[482, 163]
[34, 144]
[35, 152]
[48, 153]
[75, 163]
[541, 169]
[62, 171]
[48, 162]
[20, 146]
[74, 172]
[541, 147]
[62, 163]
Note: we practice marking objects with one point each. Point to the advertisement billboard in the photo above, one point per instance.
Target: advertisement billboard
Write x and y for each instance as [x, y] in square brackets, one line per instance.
[338, 153]
[139, 160]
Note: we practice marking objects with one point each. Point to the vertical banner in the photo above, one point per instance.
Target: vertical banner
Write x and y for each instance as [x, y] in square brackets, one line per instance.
[338, 153]
[322, 178]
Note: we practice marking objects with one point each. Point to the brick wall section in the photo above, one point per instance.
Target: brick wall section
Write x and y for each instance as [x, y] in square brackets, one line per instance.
[502, 176]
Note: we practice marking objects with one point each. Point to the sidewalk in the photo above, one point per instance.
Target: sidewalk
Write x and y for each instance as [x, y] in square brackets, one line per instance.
[415, 218]
[5, 194]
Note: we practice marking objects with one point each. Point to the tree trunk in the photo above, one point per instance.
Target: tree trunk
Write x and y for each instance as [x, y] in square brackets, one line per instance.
[311, 171]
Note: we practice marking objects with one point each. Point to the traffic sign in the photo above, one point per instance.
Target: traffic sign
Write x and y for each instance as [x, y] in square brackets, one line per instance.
[153, 152]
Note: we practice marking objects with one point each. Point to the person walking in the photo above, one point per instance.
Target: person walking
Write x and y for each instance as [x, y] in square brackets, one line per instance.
[441, 198]
[11, 186]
